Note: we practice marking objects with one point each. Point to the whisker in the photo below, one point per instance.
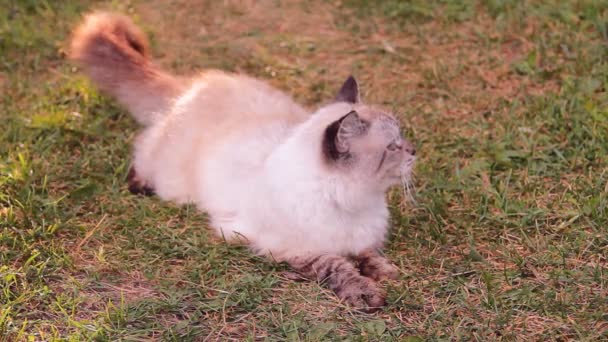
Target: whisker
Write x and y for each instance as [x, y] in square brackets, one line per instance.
[407, 183]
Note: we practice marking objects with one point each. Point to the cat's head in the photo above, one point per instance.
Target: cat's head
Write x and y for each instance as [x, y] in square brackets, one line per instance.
[366, 142]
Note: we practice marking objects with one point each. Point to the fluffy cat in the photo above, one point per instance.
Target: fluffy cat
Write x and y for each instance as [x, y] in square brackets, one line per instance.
[306, 189]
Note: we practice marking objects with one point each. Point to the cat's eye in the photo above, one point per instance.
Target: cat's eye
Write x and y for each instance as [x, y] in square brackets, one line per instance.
[394, 146]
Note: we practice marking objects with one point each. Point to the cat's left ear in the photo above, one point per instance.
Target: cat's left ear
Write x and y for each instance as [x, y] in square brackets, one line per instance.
[350, 126]
[338, 135]
[349, 91]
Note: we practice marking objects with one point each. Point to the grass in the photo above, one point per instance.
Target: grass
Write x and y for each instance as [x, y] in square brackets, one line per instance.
[506, 101]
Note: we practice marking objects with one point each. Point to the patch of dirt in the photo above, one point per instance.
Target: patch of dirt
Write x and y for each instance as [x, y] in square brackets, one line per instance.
[3, 81]
[94, 296]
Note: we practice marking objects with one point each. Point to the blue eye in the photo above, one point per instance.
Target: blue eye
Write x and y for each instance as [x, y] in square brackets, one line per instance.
[394, 146]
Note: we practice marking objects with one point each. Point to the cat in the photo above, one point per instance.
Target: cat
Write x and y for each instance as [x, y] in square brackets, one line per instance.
[303, 188]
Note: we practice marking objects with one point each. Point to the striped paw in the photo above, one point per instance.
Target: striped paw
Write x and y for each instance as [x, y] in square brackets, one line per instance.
[362, 293]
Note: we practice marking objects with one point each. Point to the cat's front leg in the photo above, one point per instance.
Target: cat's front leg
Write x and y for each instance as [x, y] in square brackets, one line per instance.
[374, 265]
[341, 276]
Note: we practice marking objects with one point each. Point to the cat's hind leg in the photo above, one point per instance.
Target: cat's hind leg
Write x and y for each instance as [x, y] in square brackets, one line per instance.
[138, 185]
[373, 265]
[341, 276]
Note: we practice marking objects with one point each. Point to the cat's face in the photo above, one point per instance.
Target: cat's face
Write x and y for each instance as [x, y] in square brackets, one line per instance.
[367, 143]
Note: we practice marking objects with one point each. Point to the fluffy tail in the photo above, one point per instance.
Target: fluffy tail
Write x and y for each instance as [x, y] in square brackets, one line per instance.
[115, 55]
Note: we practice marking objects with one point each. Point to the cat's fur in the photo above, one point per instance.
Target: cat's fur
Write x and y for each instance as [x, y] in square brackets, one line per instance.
[308, 189]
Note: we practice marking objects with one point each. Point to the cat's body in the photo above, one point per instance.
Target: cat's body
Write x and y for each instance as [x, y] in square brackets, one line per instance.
[267, 171]
[254, 168]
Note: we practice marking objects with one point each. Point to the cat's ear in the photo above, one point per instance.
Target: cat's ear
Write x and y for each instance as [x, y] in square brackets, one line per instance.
[351, 126]
[349, 91]
[339, 135]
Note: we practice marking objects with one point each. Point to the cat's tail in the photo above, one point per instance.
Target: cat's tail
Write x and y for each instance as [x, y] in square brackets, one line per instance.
[114, 53]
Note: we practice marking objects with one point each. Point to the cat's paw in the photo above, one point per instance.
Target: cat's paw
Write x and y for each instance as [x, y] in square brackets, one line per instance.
[137, 185]
[363, 294]
[373, 265]
[379, 269]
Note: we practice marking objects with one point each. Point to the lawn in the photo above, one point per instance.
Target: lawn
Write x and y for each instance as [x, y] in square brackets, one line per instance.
[506, 101]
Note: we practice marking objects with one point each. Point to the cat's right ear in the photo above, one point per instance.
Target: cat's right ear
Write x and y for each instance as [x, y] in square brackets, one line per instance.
[349, 91]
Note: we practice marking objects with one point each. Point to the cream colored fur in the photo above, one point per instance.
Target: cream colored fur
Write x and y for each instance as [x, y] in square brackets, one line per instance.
[251, 157]
[252, 160]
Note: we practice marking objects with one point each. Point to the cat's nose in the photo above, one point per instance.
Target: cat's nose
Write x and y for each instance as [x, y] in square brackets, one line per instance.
[409, 148]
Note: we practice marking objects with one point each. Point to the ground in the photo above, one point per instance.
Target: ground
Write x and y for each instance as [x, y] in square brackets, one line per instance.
[505, 100]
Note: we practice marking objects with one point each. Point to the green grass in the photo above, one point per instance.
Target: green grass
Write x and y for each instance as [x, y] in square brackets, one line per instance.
[506, 101]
